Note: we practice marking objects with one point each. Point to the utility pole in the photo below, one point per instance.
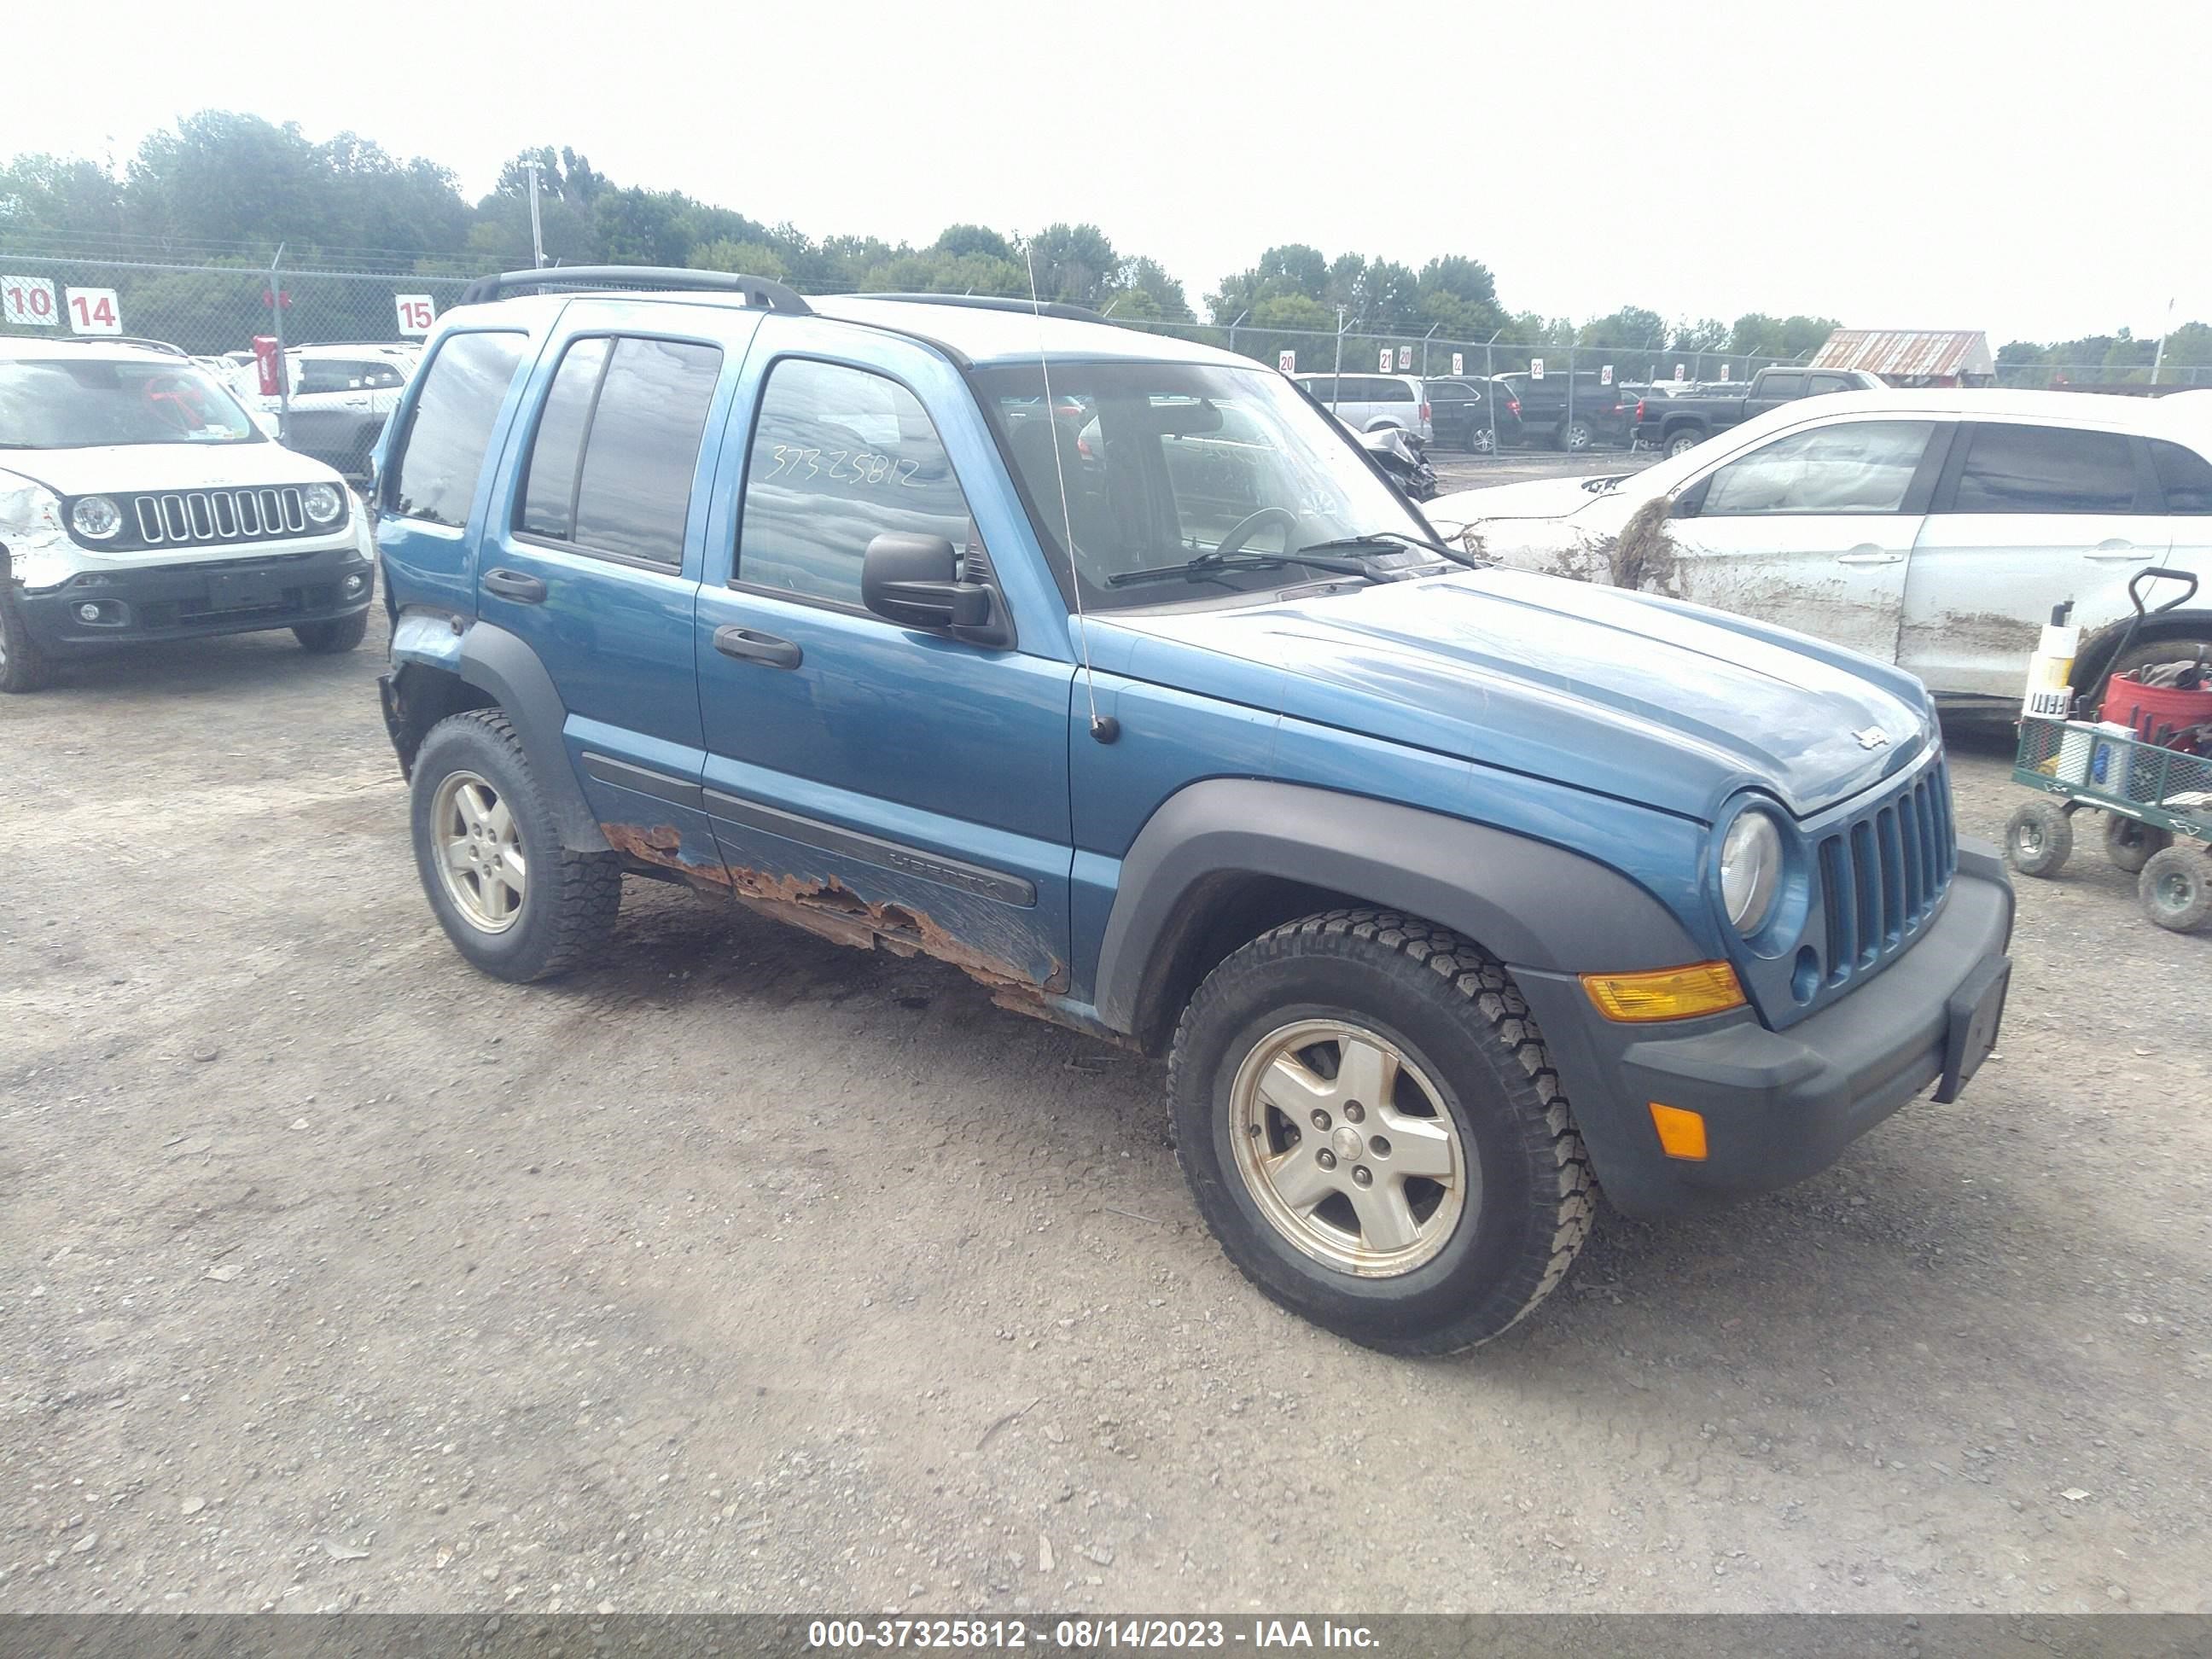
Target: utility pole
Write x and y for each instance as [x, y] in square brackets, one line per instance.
[276, 327]
[537, 226]
[2158, 360]
[1336, 379]
[1241, 316]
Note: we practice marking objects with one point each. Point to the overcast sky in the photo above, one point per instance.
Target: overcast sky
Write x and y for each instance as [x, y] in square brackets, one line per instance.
[2038, 170]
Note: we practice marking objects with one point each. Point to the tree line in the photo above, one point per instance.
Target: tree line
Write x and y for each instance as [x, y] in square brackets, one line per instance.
[224, 188]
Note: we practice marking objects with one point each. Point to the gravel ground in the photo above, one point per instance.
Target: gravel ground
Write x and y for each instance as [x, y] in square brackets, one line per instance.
[746, 1271]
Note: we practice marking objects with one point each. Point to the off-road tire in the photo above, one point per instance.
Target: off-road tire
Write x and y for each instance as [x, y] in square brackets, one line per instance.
[2038, 839]
[2131, 843]
[330, 639]
[568, 907]
[2176, 888]
[1453, 1011]
[23, 667]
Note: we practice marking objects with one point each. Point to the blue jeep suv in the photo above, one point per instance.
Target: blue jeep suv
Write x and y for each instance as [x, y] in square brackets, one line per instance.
[1109, 670]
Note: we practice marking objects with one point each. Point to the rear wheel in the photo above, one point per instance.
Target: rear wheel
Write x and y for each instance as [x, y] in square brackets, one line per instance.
[512, 899]
[1480, 440]
[2038, 839]
[1575, 436]
[326, 639]
[23, 667]
[2130, 844]
[2176, 888]
[1371, 1127]
[1682, 443]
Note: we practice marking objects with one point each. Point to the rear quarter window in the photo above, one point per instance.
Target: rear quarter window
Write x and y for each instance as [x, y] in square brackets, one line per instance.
[2184, 475]
[440, 456]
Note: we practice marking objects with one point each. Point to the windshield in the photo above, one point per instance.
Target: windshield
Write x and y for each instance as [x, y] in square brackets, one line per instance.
[1165, 462]
[77, 403]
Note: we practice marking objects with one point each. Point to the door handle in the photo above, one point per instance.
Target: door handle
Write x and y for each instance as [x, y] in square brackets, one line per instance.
[1870, 555]
[2119, 552]
[749, 645]
[513, 585]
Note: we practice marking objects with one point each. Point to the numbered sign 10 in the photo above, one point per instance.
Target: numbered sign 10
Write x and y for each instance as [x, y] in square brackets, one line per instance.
[29, 301]
[94, 311]
[416, 314]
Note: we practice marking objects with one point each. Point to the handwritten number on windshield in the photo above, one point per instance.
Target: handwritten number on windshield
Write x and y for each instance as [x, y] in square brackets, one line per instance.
[844, 466]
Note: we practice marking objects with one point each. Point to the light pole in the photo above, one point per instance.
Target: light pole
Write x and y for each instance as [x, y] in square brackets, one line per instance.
[537, 227]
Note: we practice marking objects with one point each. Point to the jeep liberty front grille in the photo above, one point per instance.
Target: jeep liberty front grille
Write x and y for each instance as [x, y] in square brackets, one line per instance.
[1883, 874]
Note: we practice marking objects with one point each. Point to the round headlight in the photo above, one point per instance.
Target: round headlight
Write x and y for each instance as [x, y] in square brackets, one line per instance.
[324, 504]
[1751, 869]
[95, 517]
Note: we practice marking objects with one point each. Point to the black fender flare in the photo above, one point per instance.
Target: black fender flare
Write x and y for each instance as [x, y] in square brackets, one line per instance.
[503, 664]
[1530, 903]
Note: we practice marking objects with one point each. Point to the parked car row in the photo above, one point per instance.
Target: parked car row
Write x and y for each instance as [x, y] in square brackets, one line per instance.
[1572, 412]
[1935, 530]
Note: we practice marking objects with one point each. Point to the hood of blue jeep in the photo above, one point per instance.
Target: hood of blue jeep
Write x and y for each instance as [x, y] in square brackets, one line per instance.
[1646, 699]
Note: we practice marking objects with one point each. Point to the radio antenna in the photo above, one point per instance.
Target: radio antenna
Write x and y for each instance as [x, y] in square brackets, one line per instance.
[1105, 727]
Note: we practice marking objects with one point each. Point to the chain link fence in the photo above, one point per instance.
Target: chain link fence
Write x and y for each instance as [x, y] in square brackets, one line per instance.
[207, 310]
[220, 307]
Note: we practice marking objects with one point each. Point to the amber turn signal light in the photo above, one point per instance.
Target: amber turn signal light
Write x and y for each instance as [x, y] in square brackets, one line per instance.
[1708, 988]
[1681, 1132]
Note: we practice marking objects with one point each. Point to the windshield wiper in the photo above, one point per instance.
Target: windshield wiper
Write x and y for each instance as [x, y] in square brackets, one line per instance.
[1397, 539]
[1215, 564]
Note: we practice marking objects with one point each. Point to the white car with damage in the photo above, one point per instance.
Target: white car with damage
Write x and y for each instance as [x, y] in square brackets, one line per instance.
[1936, 530]
[139, 501]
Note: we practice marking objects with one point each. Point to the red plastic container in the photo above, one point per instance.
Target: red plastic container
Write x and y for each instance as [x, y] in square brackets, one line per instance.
[2148, 709]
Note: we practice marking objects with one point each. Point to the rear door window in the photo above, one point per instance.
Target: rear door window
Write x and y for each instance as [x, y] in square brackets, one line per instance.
[2185, 474]
[2046, 468]
[433, 475]
[611, 465]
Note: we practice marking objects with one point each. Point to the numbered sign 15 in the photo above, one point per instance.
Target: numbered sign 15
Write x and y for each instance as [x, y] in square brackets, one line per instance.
[1287, 361]
[94, 311]
[416, 314]
[29, 299]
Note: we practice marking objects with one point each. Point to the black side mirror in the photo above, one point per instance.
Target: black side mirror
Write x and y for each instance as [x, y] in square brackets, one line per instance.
[915, 580]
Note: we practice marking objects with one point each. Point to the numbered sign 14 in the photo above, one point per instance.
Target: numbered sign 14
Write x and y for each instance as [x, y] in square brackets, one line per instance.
[29, 299]
[94, 311]
[416, 314]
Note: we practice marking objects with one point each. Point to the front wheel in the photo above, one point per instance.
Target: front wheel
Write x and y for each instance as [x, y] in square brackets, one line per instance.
[1372, 1128]
[23, 667]
[329, 638]
[2038, 839]
[1682, 443]
[2176, 888]
[512, 899]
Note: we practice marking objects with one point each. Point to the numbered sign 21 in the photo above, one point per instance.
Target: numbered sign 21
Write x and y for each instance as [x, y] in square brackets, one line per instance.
[416, 314]
[29, 299]
[94, 311]
[1383, 362]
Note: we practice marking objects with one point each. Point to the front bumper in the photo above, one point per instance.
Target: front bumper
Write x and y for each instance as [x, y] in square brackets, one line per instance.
[1781, 1105]
[192, 600]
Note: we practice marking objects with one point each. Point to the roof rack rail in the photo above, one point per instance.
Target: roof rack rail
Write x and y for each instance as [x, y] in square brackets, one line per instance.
[143, 342]
[1062, 308]
[757, 290]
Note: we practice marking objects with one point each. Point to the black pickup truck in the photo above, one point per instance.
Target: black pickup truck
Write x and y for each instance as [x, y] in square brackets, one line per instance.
[1672, 424]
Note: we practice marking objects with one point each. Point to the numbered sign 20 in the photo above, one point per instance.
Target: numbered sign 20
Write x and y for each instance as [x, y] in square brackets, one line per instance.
[416, 314]
[94, 311]
[29, 299]
[1287, 361]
